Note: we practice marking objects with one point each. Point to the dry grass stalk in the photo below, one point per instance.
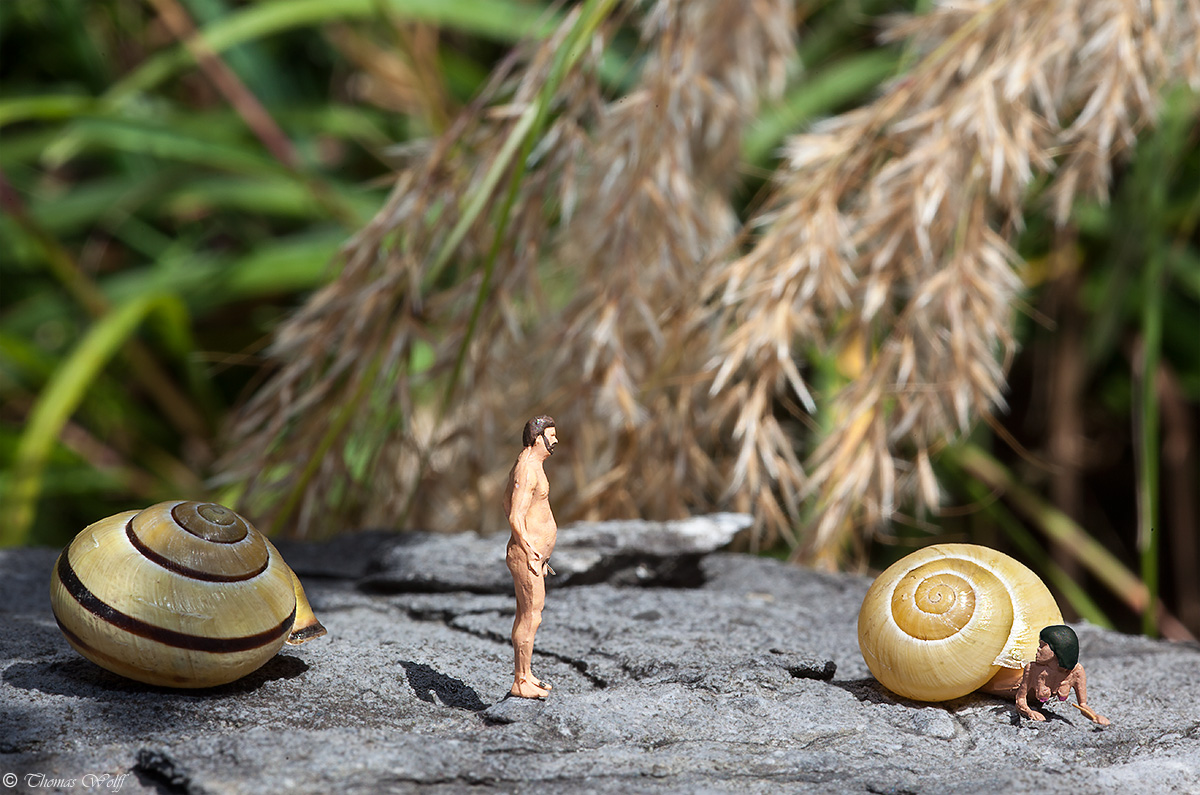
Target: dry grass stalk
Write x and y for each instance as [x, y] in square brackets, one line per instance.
[676, 373]
[644, 204]
[329, 439]
[891, 225]
[625, 351]
[401, 73]
[609, 186]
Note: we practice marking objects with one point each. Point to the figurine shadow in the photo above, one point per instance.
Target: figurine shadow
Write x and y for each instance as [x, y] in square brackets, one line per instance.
[83, 678]
[431, 686]
[1050, 715]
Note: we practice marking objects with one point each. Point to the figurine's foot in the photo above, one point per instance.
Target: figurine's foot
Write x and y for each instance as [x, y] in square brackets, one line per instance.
[523, 688]
[539, 683]
[1091, 714]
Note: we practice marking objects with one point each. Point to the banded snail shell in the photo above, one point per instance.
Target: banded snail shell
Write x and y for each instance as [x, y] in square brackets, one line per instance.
[948, 619]
[181, 594]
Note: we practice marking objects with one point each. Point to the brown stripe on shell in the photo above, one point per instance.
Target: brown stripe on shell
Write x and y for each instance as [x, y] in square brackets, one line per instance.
[109, 662]
[169, 637]
[74, 639]
[185, 571]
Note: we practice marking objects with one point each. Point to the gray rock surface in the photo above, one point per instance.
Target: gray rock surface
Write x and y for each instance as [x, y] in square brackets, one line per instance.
[742, 676]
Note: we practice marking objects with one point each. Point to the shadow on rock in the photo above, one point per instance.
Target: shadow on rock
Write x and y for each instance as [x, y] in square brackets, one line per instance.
[281, 666]
[158, 770]
[637, 571]
[1049, 714]
[870, 691]
[80, 677]
[427, 683]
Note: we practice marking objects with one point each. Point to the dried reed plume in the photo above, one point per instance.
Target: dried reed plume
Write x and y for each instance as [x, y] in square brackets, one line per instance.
[887, 241]
[595, 275]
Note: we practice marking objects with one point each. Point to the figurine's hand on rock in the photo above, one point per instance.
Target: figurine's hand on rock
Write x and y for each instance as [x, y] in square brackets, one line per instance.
[1092, 714]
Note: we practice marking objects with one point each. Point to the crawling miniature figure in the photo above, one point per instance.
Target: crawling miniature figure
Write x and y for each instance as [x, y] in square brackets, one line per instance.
[1053, 672]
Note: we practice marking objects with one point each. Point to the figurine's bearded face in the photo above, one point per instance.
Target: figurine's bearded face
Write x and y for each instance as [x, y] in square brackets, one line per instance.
[550, 439]
[541, 427]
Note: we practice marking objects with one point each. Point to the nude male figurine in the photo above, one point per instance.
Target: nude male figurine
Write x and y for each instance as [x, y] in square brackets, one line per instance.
[527, 505]
[1054, 671]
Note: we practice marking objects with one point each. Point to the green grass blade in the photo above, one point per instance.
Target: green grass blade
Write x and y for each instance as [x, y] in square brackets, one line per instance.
[1054, 523]
[481, 196]
[594, 13]
[47, 107]
[1075, 594]
[504, 20]
[205, 281]
[166, 142]
[58, 401]
[1146, 433]
[1163, 154]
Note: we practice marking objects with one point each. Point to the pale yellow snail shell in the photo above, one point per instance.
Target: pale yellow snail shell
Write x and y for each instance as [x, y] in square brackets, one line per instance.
[943, 621]
[181, 594]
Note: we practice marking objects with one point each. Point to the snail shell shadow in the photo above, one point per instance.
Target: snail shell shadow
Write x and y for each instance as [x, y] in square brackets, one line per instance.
[869, 690]
[120, 707]
[79, 677]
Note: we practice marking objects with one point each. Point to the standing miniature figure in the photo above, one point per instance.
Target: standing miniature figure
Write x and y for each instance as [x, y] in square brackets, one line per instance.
[527, 505]
[1053, 672]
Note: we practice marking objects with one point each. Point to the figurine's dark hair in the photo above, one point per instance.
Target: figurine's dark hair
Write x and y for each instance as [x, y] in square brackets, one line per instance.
[535, 428]
[1063, 641]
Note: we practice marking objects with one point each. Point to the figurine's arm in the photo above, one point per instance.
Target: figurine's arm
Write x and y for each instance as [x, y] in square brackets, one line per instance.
[1023, 696]
[522, 500]
[1080, 684]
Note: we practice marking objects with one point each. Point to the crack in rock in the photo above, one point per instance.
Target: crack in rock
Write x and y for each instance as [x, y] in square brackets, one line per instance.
[634, 552]
[599, 682]
[158, 769]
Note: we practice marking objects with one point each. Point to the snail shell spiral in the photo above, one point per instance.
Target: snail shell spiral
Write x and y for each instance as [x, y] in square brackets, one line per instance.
[945, 620]
[181, 594]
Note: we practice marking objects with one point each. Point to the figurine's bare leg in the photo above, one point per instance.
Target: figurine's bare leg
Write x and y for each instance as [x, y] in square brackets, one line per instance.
[541, 601]
[1005, 683]
[531, 598]
[1091, 714]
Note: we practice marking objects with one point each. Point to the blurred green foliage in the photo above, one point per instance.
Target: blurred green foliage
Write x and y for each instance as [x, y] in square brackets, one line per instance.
[130, 182]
